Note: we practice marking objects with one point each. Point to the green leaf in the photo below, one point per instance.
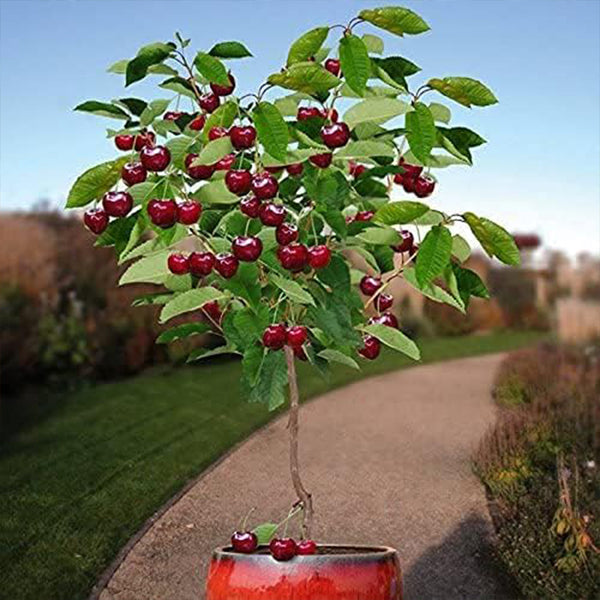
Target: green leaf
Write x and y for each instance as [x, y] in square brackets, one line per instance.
[292, 290]
[365, 149]
[179, 148]
[355, 62]
[288, 105]
[464, 90]
[331, 355]
[95, 182]
[246, 283]
[153, 110]
[151, 299]
[190, 300]
[373, 43]
[431, 217]
[431, 291]
[380, 236]
[272, 130]
[420, 131]
[460, 140]
[440, 112]
[460, 248]
[214, 151]
[149, 269]
[211, 68]
[434, 254]
[222, 117]
[265, 532]
[215, 192]
[393, 338]
[147, 56]
[336, 276]
[120, 68]
[494, 239]
[306, 46]
[250, 324]
[307, 77]
[179, 85]
[375, 110]
[207, 353]
[229, 50]
[399, 213]
[469, 284]
[395, 70]
[102, 109]
[395, 20]
[182, 331]
[134, 105]
[272, 381]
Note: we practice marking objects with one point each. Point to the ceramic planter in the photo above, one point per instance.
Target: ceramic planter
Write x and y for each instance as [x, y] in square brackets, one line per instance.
[335, 573]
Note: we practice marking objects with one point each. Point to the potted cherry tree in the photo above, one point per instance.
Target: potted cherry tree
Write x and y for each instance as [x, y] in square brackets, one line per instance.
[250, 212]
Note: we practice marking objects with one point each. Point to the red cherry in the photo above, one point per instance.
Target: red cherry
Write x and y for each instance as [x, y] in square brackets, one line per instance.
[242, 137]
[247, 248]
[283, 549]
[117, 204]
[172, 115]
[209, 102]
[226, 264]
[424, 187]
[213, 311]
[356, 170]
[286, 233]
[144, 139]
[333, 66]
[96, 220]
[163, 213]
[319, 256]
[295, 169]
[274, 336]
[264, 185]
[408, 184]
[308, 112]
[201, 264]
[369, 285]
[371, 347]
[274, 170]
[200, 171]
[225, 163]
[155, 158]
[307, 547]
[321, 160]
[412, 171]
[198, 123]
[399, 178]
[250, 207]
[387, 319]
[217, 132]
[335, 135]
[178, 264]
[271, 214]
[133, 173]
[223, 90]
[296, 335]
[364, 215]
[293, 257]
[407, 242]
[300, 353]
[238, 181]
[189, 212]
[245, 542]
[383, 301]
[124, 142]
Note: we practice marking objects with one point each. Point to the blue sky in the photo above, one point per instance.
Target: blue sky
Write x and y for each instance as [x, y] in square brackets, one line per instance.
[539, 171]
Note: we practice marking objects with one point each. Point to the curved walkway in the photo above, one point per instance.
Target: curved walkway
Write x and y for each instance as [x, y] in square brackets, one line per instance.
[387, 460]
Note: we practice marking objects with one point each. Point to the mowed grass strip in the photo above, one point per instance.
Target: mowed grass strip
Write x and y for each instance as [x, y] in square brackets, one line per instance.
[75, 487]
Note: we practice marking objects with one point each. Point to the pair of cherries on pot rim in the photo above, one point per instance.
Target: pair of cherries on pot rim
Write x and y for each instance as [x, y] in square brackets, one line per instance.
[282, 549]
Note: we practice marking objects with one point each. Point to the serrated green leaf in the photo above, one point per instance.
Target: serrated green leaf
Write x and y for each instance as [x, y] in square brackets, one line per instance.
[120, 68]
[272, 381]
[434, 254]
[355, 63]
[265, 532]
[440, 112]
[103, 109]
[95, 182]
[229, 50]
[375, 110]
[420, 131]
[179, 85]
[208, 352]
[182, 331]
[292, 289]
[272, 130]
[469, 284]
[152, 111]
[307, 77]
[146, 57]
[431, 291]
[246, 284]
[307, 45]
[494, 239]
[460, 248]
[213, 151]
[399, 213]
[464, 90]
[395, 20]
[179, 148]
[394, 70]
[188, 301]
[393, 338]
[215, 192]
[365, 149]
[379, 236]
[331, 355]
[459, 140]
[149, 269]
[211, 68]
[373, 43]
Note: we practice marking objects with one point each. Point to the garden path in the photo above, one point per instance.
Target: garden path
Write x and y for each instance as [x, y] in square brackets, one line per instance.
[388, 462]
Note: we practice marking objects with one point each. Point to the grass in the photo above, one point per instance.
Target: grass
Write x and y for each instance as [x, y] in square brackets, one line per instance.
[76, 486]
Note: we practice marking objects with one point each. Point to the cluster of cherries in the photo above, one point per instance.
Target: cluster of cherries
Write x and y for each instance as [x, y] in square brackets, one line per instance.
[281, 549]
[413, 182]
[277, 335]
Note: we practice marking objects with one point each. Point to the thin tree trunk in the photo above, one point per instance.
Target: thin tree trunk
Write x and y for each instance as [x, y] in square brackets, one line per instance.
[304, 497]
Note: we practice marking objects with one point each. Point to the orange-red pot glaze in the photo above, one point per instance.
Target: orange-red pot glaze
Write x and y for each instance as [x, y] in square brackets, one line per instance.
[349, 573]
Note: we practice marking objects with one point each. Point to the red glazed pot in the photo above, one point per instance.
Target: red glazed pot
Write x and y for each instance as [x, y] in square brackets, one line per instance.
[334, 573]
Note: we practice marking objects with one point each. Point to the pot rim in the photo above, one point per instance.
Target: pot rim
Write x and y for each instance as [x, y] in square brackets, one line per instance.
[357, 553]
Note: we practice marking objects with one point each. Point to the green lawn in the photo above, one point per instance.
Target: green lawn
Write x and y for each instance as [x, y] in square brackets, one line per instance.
[75, 487]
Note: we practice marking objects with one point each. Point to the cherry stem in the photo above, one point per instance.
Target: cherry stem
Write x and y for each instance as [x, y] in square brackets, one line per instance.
[245, 522]
[304, 497]
[192, 80]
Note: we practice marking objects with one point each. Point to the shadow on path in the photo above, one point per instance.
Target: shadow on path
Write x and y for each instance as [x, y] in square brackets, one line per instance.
[462, 567]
